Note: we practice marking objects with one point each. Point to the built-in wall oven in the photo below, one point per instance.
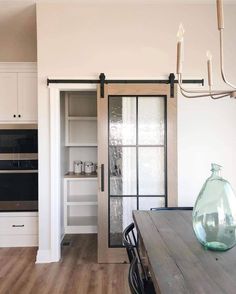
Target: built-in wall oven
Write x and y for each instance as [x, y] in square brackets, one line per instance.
[18, 168]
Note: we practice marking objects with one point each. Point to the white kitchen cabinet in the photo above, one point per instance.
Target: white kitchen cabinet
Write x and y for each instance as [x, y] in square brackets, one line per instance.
[27, 96]
[18, 93]
[18, 229]
[8, 96]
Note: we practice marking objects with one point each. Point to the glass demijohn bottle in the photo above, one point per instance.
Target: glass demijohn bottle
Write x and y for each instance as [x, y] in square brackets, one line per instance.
[214, 213]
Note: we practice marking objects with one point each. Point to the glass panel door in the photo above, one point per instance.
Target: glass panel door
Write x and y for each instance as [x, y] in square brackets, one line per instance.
[137, 159]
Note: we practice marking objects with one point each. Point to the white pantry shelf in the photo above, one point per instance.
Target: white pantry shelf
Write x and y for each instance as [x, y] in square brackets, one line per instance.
[81, 144]
[81, 203]
[82, 118]
[81, 225]
[82, 221]
[73, 176]
[81, 199]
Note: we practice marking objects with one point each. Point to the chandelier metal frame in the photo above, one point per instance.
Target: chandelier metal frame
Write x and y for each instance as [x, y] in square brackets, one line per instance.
[214, 94]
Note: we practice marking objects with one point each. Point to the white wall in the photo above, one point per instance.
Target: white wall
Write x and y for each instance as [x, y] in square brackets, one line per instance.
[139, 41]
[18, 31]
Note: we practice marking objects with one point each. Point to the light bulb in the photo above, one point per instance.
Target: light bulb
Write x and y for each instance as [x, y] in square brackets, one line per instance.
[209, 55]
[209, 67]
[220, 14]
[180, 33]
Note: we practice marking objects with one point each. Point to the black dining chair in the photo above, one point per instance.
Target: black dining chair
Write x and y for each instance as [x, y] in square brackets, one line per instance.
[131, 244]
[135, 281]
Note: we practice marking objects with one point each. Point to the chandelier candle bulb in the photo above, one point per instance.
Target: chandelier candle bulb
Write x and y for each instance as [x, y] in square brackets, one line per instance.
[209, 68]
[179, 62]
[220, 14]
[180, 38]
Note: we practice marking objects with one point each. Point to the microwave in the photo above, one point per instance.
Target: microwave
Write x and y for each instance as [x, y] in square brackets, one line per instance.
[18, 139]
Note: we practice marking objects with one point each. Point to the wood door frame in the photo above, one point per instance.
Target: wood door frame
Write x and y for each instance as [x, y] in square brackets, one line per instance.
[118, 255]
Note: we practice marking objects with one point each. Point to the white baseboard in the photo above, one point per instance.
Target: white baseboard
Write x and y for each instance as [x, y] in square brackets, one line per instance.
[43, 256]
[46, 256]
[62, 237]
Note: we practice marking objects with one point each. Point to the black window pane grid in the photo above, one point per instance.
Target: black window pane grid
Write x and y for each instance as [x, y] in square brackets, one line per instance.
[115, 239]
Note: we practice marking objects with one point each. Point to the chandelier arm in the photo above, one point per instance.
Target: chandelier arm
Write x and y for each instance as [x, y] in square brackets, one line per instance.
[214, 95]
[218, 97]
[192, 96]
[199, 91]
[222, 61]
[186, 96]
[204, 94]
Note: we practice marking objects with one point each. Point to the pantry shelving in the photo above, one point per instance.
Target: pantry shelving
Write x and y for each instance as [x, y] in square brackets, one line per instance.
[80, 205]
[80, 119]
[80, 136]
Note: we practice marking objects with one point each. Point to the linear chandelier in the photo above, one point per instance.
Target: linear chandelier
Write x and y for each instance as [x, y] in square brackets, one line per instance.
[214, 94]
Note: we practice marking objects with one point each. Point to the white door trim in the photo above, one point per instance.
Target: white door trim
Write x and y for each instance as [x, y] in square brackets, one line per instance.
[55, 172]
[54, 253]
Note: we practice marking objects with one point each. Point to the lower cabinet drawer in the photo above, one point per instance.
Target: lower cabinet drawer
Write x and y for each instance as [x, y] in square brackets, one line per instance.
[19, 225]
[18, 241]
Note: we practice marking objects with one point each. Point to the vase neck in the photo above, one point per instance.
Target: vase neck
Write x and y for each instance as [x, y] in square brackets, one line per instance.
[215, 174]
[215, 169]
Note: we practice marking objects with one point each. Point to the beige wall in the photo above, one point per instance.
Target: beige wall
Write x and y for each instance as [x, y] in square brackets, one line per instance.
[139, 41]
[18, 31]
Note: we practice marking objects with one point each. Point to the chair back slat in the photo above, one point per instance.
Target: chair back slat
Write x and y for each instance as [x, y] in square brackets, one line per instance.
[139, 280]
[135, 281]
[131, 244]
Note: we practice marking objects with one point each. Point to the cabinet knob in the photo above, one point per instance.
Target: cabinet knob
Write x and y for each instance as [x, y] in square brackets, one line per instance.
[14, 115]
[19, 115]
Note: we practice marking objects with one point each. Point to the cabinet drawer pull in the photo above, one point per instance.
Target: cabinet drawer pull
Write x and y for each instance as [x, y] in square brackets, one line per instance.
[19, 115]
[14, 115]
[18, 226]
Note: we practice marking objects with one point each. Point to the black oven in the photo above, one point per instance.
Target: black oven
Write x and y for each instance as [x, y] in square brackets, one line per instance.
[18, 168]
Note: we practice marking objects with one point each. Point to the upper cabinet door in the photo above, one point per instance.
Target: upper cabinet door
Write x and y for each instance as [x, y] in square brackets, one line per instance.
[8, 96]
[27, 97]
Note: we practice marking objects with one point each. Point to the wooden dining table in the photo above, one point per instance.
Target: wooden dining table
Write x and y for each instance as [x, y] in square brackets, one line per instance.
[178, 263]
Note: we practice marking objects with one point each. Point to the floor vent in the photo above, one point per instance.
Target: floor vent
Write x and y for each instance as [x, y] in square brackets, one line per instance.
[66, 243]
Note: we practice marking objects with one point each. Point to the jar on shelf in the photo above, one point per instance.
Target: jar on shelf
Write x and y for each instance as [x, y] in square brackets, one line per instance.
[78, 166]
[214, 213]
[88, 167]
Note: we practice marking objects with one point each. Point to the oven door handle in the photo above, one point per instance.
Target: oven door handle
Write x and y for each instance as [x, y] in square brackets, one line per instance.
[19, 171]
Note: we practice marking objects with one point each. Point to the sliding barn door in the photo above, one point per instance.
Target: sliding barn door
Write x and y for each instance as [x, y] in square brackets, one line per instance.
[137, 168]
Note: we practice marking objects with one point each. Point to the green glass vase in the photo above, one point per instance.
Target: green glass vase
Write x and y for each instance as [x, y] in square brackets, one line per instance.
[214, 213]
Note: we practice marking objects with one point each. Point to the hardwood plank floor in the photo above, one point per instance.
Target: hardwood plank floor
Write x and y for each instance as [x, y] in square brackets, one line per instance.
[77, 272]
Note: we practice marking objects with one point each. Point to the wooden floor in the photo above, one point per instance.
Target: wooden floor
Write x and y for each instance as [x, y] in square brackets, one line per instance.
[77, 272]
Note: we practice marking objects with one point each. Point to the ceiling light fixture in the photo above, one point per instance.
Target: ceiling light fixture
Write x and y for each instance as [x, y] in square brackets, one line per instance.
[214, 94]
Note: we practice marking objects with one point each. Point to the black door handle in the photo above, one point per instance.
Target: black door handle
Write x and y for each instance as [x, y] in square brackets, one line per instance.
[18, 226]
[102, 177]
